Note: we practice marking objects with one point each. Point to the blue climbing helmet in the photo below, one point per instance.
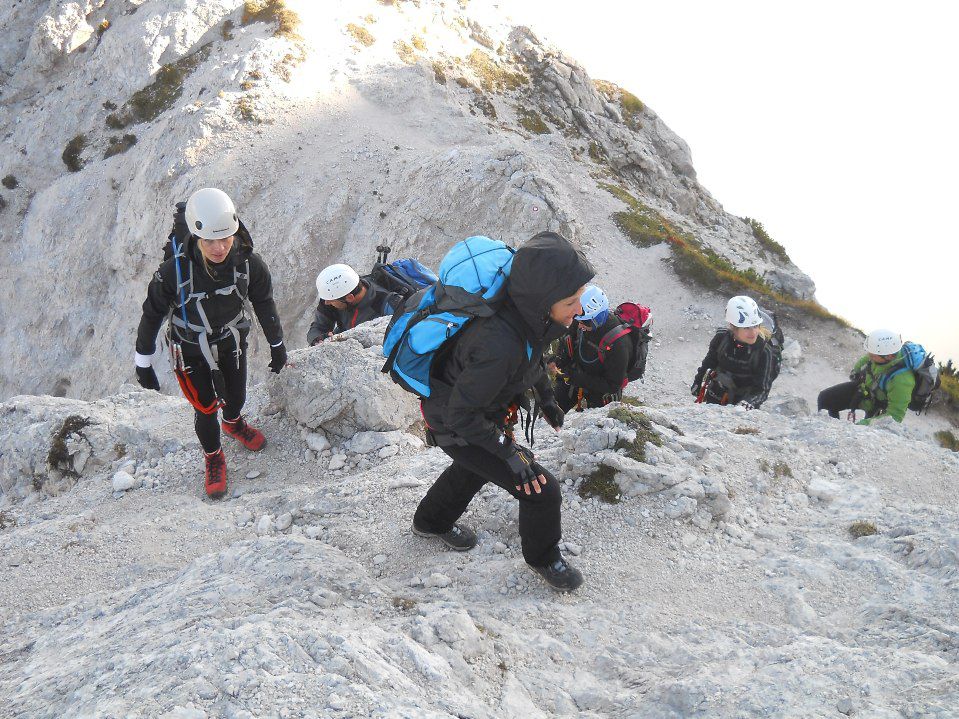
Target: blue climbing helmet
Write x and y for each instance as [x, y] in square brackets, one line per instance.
[595, 307]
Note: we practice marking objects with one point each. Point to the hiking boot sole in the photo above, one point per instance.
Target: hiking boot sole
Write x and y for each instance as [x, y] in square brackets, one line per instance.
[433, 535]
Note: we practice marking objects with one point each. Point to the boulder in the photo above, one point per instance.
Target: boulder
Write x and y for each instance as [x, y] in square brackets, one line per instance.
[337, 387]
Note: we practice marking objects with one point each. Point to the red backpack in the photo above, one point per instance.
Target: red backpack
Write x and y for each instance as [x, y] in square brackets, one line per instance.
[637, 321]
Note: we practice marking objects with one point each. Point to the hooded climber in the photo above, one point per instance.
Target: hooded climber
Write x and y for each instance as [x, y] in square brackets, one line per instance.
[875, 386]
[347, 300]
[202, 290]
[589, 372]
[741, 364]
[491, 364]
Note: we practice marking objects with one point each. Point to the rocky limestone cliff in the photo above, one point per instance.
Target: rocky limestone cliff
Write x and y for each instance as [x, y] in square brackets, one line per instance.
[417, 123]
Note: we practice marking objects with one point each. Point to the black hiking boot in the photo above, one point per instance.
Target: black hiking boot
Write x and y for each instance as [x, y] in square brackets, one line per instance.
[560, 575]
[459, 538]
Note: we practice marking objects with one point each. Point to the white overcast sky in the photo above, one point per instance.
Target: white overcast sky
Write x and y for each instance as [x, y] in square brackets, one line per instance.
[835, 124]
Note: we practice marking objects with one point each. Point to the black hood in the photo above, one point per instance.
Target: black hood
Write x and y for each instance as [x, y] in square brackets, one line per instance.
[546, 269]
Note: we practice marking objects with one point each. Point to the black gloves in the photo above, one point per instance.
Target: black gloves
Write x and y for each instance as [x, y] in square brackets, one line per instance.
[521, 465]
[553, 414]
[147, 378]
[277, 357]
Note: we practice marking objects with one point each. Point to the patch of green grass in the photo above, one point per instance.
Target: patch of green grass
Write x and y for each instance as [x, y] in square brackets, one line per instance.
[602, 485]
[597, 154]
[360, 34]
[119, 145]
[644, 227]
[766, 242]
[405, 52]
[636, 420]
[72, 153]
[491, 76]
[58, 457]
[287, 21]
[947, 439]
[10, 182]
[148, 103]
[532, 122]
[641, 225]
[226, 32]
[745, 430]
[438, 73]
[862, 528]
[418, 42]
[950, 387]
[630, 106]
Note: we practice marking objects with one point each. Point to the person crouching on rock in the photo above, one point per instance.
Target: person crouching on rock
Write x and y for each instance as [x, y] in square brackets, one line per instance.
[202, 288]
[347, 300]
[490, 366]
[740, 365]
[869, 389]
[586, 375]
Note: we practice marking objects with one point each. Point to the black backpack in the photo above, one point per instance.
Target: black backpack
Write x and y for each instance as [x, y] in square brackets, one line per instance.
[404, 277]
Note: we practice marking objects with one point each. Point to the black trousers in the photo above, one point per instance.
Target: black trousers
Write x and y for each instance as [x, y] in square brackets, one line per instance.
[837, 398]
[233, 388]
[450, 495]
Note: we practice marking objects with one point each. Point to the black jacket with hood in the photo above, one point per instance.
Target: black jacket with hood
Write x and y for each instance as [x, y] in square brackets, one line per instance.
[745, 371]
[377, 302]
[495, 359]
[578, 358]
[162, 294]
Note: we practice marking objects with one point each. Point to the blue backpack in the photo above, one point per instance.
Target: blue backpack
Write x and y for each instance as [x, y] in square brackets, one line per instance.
[471, 283]
[915, 359]
[404, 276]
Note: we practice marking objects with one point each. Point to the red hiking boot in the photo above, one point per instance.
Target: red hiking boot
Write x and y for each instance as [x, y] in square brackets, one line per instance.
[248, 436]
[215, 474]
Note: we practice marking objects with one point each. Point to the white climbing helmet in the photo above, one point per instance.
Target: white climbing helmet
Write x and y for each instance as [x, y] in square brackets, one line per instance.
[883, 342]
[742, 311]
[211, 214]
[336, 281]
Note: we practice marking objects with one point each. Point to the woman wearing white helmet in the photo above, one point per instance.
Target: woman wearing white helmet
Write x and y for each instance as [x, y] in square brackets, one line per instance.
[740, 365]
[868, 388]
[589, 371]
[347, 300]
[202, 288]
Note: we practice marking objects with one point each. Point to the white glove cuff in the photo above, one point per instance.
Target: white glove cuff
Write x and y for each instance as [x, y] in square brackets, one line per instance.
[142, 360]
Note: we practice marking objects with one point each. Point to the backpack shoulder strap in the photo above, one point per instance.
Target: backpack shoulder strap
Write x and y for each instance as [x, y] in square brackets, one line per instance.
[610, 338]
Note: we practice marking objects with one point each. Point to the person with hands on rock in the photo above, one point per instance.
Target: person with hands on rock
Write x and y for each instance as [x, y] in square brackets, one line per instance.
[878, 384]
[479, 383]
[587, 372]
[347, 300]
[740, 365]
[202, 289]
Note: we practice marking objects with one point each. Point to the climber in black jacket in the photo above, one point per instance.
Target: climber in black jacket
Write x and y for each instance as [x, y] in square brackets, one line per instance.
[740, 365]
[203, 289]
[347, 300]
[590, 372]
[490, 366]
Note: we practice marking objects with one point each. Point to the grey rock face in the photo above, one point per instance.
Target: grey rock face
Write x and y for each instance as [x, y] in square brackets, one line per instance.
[338, 387]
